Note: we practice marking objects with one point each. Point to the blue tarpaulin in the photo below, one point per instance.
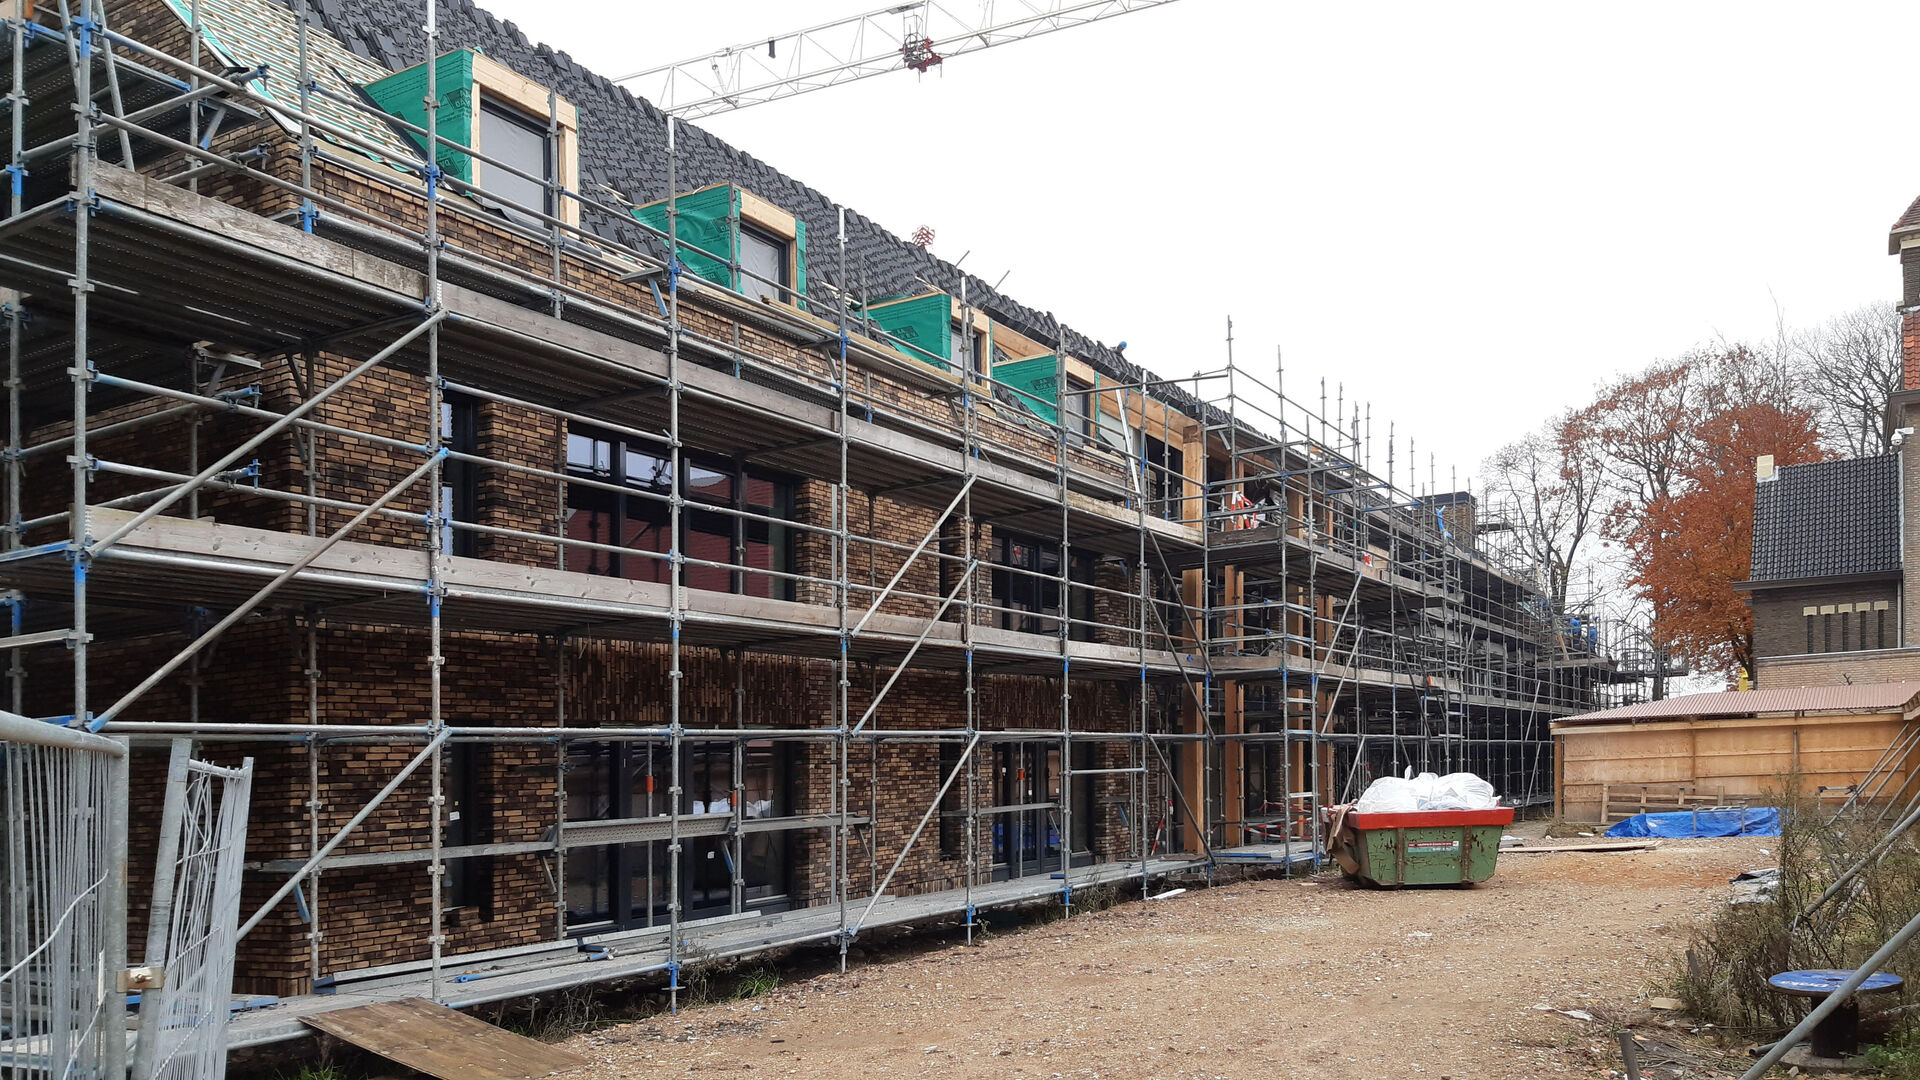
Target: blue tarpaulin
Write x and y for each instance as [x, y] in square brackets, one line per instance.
[1754, 821]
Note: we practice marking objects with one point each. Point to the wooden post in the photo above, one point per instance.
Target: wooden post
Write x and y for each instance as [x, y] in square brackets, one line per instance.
[1629, 1055]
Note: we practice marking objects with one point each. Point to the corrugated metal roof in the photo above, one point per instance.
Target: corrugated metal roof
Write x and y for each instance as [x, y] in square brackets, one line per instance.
[1859, 698]
[1831, 519]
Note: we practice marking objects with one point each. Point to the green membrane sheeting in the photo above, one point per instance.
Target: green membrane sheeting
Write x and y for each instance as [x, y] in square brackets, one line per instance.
[404, 94]
[921, 325]
[704, 225]
[1035, 384]
[705, 236]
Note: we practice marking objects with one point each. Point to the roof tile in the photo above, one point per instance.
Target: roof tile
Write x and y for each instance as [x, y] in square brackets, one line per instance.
[1831, 519]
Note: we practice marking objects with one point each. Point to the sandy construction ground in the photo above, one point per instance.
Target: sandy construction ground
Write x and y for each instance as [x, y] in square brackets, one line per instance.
[1274, 978]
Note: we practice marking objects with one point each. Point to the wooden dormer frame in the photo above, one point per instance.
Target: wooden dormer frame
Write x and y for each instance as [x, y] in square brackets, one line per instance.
[498, 83]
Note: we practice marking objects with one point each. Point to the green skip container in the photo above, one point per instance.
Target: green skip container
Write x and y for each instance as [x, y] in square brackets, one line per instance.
[1424, 847]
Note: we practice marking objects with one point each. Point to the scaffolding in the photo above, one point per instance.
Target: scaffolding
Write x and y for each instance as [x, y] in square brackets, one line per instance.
[1273, 601]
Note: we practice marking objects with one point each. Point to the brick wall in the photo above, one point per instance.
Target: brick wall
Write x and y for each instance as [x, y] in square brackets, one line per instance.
[1780, 624]
[378, 674]
[1834, 669]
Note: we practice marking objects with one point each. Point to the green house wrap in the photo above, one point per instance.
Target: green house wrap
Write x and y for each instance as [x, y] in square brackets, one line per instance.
[921, 327]
[1035, 384]
[704, 234]
[404, 94]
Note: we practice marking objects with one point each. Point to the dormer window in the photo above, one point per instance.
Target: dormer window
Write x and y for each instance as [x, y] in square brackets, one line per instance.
[488, 106]
[763, 265]
[963, 354]
[733, 238]
[519, 141]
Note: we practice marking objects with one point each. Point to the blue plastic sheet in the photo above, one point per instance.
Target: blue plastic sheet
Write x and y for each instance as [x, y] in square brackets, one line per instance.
[1752, 821]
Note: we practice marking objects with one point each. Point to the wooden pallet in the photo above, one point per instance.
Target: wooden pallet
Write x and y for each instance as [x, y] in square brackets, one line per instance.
[1621, 801]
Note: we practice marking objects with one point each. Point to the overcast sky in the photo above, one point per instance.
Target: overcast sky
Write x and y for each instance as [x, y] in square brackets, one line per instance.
[1470, 215]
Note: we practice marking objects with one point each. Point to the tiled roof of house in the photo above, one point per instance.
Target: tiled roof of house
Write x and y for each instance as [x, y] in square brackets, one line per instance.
[1908, 220]
[266, 35]
[1832, 519]
[623, 146]
[1858, 698]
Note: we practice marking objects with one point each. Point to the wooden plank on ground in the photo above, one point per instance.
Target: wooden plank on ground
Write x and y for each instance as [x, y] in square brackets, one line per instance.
[1620, 845]
[440, 1042]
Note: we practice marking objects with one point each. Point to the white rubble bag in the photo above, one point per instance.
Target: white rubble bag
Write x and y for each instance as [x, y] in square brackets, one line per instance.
[1454, 791]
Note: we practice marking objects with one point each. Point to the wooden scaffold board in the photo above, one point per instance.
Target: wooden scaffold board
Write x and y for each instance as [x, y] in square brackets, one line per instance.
[444, 1043]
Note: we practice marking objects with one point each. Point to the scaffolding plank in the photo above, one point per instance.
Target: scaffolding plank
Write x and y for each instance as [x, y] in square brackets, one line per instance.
[440, 1042]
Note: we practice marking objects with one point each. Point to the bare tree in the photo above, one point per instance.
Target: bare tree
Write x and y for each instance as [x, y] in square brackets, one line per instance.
[1546, 489]
[1851, 365]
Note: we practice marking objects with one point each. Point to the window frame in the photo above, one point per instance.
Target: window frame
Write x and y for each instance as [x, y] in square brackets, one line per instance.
[516, 94]
[509, 114]
[459, 480]
[1080, 405]
[1012, 592]
[749, 287]
[780, 541]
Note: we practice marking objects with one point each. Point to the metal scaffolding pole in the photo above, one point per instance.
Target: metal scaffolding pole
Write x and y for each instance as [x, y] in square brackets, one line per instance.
[676, 570]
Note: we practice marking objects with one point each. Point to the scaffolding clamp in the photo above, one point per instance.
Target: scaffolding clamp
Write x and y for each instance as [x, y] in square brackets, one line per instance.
[248, 395]
[250, 473]
[87, 28]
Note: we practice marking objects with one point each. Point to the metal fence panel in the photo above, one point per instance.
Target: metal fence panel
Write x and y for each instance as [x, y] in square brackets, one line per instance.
[63, 796]
[193, 927]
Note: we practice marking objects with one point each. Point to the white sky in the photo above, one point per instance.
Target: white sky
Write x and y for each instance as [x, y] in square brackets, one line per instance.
[1470, 215]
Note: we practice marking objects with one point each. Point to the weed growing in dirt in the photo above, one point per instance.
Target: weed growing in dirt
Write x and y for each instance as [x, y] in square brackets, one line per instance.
[1722, 978]
[312, 1071]
[1898, 1058]
[761, 980]
[553, 1017]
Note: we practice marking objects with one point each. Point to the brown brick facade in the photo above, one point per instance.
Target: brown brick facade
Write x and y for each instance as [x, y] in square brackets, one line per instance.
[369, 673]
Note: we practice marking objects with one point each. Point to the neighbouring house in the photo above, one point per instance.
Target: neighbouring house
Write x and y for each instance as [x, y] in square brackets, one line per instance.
[1827, 582]
[1737, 747]
[1834, 542]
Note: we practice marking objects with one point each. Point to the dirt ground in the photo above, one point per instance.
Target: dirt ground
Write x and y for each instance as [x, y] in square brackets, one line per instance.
[1295, 978]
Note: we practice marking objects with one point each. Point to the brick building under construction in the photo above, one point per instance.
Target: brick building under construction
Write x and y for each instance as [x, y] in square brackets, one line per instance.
[596, 537]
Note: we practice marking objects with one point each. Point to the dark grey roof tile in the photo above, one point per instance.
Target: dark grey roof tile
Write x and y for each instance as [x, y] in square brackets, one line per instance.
[1831, 519]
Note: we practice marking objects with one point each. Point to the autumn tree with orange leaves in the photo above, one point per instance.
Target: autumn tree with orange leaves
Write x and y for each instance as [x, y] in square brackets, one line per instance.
[1680, 440]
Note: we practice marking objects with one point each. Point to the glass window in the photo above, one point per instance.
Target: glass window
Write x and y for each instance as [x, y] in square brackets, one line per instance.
[628, 884]
[722, 549]
[459, 480]
[1079, 408]
[1165, 466]
[1026, 583]
[977, 359]
[511, 136]
[763, 265]
[588, 453]
[953, 808]
[469, 881]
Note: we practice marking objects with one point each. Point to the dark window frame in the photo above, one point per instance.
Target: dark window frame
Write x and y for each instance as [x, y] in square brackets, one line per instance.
[1079, 405]
[953, 808]
[469, 881]
[1029, 602]
[1165, 478]
[516, 117]
[782, 247]
[627, 511]
[632, 781]
[459, 480]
